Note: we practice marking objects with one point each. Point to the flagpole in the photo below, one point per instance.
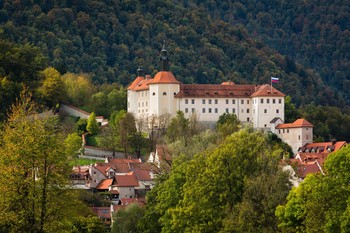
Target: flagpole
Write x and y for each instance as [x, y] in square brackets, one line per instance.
[271, 84]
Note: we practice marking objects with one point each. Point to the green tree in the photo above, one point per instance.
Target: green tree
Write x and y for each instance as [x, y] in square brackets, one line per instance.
[125, 220]
[80, 126]
[92, 126]
[179, 128]
[290, 111]
[227, 124]
[73, 145]
[51, 89]
[34, 173]
[320, 202]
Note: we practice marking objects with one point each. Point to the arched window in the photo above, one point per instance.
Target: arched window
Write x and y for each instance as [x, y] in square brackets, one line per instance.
[164, 93]
[153, 93]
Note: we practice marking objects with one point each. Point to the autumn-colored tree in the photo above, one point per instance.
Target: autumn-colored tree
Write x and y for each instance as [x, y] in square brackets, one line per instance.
[34, 173]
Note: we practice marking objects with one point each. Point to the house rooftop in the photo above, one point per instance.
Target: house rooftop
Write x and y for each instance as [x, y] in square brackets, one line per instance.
[299, 123]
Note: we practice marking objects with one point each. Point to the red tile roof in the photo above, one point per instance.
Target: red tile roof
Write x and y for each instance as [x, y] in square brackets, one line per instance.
[305, 169]
[102, 212]
[104, 184]
[129, 180]
[296, 124]
[143, 85]
[142, 174]
[135, 82]
[268, 91]
[164, 77]
[128, 201]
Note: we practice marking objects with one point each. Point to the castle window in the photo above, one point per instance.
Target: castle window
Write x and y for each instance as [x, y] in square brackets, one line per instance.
[209, 101]
[242, 110]
[192, 101]
[142, 104]
[192, 110]
[153, 93]
[287, 130]
[242, 101]
[233, 110]
[164, 93]
[299, 137]
[186, 110]
[216, 110]
[279, 131]
[146, 103]
[277, 110]
[261, 101]
[273, 101]
[203, 110]
[209, 110]
[233, 101]
[215, 93]
[247, 110]
[216, 101]
[226, 110]
[174, 93]
[248, 119]
[280, 101]
[265, 110]
[265, 125]
[203, 101]
[268, 101]
[226, 101]
[283, 130]
[307, 137]
[186, 101]
[247, 101]
[142, 94]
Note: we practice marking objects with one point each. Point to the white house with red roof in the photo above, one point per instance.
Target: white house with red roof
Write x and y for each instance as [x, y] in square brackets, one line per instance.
[163, 94]
[295, 134]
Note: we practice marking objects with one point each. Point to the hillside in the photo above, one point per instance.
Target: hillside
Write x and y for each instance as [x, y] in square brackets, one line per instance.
[110, 39]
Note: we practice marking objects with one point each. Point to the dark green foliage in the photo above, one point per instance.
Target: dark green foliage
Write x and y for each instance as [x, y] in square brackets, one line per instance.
[206, 41]
[125, 220]
[227, 124]
[80, 126]
[321, 202]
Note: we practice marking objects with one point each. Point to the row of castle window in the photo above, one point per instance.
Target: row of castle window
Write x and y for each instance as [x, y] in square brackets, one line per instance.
[226, 110]
[232, 101]
[143, 104]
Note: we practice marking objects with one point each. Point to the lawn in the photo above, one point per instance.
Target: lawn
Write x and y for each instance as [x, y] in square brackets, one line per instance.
[84, 161]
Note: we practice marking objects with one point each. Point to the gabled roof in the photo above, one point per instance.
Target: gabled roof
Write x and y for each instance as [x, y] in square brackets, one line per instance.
[274, 120]
[143, 85]
[104, 184]
[299, 123]
[142, 175]
[128, 180]
[135, 82]
[165, 77]
[323, 146]
[268, 91]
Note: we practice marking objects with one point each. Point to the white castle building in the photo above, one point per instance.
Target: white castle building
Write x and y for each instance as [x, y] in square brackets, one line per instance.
[254, 104]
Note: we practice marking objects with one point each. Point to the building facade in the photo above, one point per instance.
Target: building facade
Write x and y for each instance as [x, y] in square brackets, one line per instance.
[163, 94]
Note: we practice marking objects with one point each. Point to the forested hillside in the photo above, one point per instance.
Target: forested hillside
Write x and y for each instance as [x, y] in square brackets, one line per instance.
[315, 33]
[206, 41]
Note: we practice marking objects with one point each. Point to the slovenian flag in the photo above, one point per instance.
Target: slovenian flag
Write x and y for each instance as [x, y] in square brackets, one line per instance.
[274, 80]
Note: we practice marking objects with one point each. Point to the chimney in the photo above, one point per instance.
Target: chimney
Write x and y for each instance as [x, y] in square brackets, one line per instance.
[333, 141]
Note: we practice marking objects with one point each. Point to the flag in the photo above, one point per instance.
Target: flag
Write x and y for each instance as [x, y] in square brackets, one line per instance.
[274, 80]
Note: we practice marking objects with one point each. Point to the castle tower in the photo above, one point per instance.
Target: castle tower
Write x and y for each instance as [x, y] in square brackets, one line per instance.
[163, 88]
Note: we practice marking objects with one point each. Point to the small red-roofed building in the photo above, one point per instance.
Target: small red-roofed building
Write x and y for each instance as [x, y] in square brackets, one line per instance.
[125, 185]
[103, 213]
[295, 134]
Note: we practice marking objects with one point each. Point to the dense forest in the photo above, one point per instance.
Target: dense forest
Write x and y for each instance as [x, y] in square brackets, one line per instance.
[208, 41]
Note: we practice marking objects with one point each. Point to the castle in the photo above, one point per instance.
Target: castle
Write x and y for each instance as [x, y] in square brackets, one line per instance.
[253, 104]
